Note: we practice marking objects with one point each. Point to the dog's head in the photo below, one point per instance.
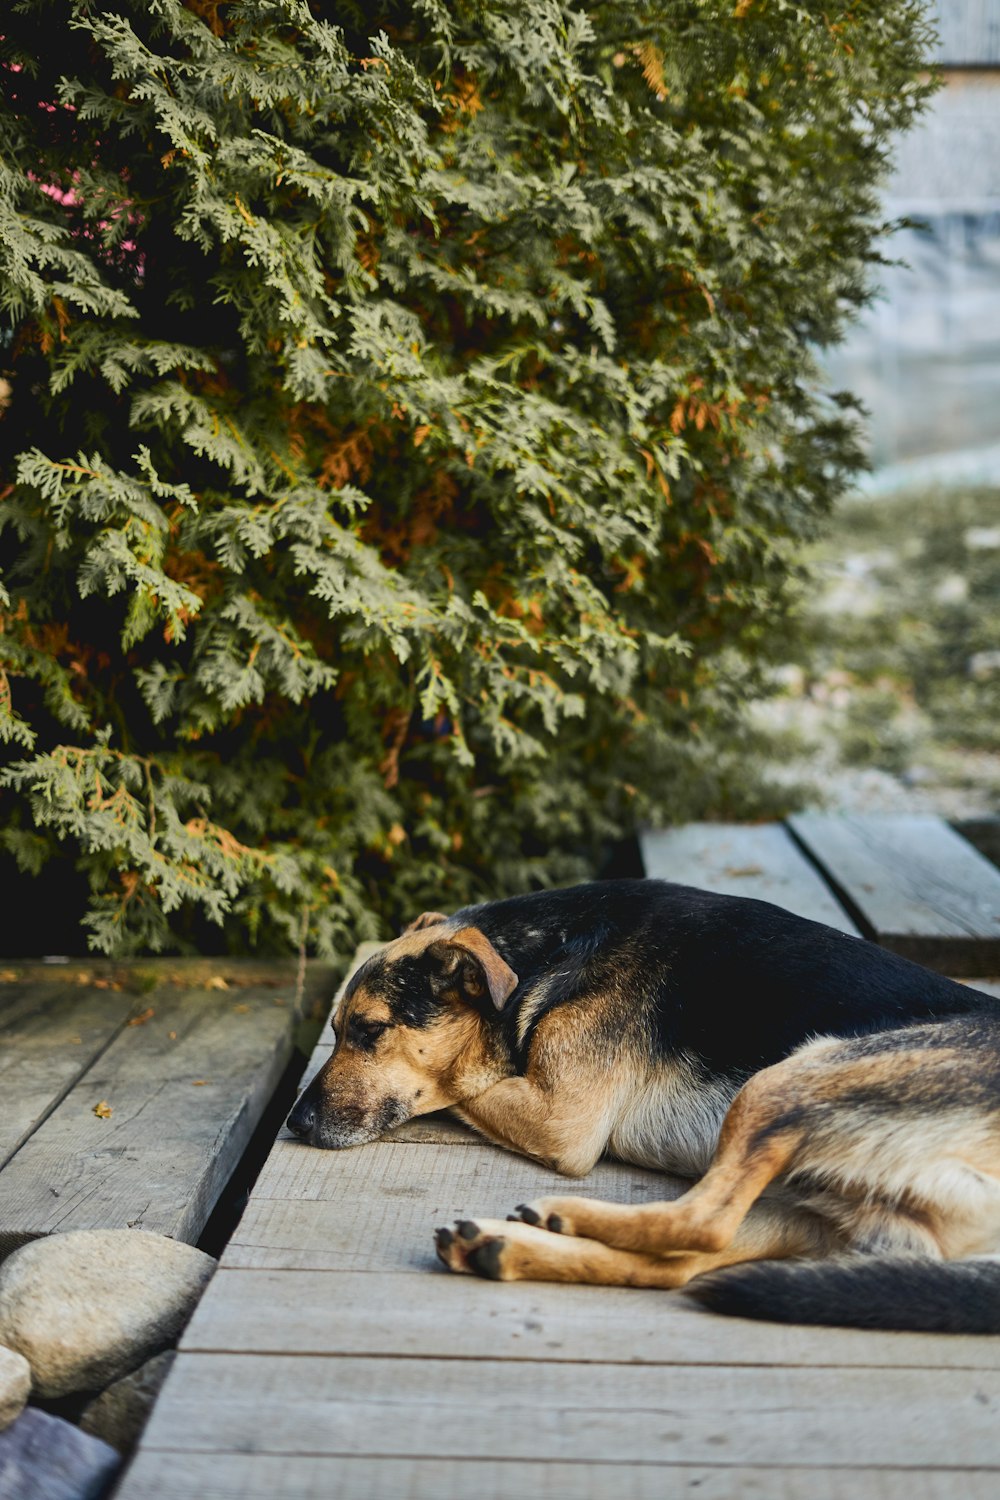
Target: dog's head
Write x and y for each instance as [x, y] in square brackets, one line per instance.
[413, 1032]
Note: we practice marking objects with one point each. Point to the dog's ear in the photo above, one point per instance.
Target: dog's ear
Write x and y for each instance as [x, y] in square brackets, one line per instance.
[470, 966]
[425, 919]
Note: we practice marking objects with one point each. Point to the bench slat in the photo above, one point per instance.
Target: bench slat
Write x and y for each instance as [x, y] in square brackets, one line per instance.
[916, 885]
[737, 859]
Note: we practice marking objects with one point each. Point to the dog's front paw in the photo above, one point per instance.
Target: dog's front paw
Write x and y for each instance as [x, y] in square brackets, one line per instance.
[491, 1248]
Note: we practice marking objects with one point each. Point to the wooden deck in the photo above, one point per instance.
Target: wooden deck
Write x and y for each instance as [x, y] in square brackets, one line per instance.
[332, 1359]
[131, 1091]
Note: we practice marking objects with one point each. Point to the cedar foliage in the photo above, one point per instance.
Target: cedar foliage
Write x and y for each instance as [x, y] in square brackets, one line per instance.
[413, 429]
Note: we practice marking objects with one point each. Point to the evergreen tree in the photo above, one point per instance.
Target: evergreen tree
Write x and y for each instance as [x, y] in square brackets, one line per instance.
[413, 426]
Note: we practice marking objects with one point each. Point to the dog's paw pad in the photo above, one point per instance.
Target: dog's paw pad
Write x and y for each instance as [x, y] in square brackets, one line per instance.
[526, 1214]
[486, 1259]
[554, 1223]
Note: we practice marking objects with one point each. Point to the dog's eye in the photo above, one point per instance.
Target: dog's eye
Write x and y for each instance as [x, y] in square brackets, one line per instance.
[365, 1034]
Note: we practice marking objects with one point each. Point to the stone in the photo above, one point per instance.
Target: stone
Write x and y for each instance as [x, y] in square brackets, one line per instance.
[118, 1415]
[15, 1384]
[44, 1458]
[87, 1307]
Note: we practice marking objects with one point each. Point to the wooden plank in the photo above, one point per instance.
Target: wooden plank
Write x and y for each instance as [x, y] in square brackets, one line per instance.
[491, 1409]
[186, 1089]
[141, 975]
[741, 860]
[157, 1475]
[915, 885]
[376, 1207]
[450, 1317]
[50, 1035]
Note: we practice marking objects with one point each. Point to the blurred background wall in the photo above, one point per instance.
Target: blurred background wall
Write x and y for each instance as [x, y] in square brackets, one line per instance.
[926, 357]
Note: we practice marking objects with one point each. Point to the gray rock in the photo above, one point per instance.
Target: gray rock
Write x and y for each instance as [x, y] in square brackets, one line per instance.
[44, 1458]
[15, 1383]
[118, 1415]
[86, 1308]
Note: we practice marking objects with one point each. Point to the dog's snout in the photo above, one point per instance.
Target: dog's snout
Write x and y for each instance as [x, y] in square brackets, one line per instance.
[303, 1117]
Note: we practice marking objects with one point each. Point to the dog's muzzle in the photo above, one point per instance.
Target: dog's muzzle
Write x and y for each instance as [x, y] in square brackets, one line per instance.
[317, 1126]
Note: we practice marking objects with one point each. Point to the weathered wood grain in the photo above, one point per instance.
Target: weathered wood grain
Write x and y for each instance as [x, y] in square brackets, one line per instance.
[143, 975]
[375, 1207]
[186, 1088]
[495, 1409]
[50, 1035]
[159, 1475]
[742, 860]
[449, 1317]
[916, 885]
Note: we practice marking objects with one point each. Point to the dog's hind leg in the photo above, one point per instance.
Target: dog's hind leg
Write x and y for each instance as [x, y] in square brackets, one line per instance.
[898, 1133]
[757, 1144]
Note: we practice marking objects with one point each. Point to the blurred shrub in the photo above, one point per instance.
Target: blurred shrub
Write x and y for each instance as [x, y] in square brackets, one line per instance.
[910, 619]
[412, 429]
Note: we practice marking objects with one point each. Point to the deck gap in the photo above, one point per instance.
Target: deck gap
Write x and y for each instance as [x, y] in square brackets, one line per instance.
[786, 1363]
[857, 916]
[582, 1463]
[231, 1203]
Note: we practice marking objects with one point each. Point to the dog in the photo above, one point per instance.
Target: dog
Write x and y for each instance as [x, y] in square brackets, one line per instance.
[838, 1106]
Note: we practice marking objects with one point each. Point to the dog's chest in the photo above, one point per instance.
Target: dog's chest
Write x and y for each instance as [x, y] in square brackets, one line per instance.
[672, 1121]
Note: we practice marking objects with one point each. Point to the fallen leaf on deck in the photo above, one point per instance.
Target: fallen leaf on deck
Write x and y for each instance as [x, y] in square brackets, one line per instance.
[141, 1020]
[218, 983]
[103, 1111]
[199, 1083]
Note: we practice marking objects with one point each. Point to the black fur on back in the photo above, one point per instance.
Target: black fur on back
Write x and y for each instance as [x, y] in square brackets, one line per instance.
[900, 1292]
[734, 982]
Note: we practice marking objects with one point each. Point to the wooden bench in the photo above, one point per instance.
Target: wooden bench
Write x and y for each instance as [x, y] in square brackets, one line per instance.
[912, 884]
[130, 1092]
[332, 1359]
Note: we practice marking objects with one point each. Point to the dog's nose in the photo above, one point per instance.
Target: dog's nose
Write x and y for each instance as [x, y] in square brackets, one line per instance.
[303, 1117]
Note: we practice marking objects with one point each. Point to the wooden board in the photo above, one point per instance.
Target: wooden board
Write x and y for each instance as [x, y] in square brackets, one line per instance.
[743, 860]
[186, 1088]
[376, 1207]
[451, 1317]
[488, 1409]
[260, 1476]
[50, 1034]
[914, 884]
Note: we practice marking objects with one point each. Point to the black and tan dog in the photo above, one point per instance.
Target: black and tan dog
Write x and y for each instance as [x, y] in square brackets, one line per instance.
[840, 1105]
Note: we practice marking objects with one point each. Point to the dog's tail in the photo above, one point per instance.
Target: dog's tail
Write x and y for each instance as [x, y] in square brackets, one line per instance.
[861, 1291]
